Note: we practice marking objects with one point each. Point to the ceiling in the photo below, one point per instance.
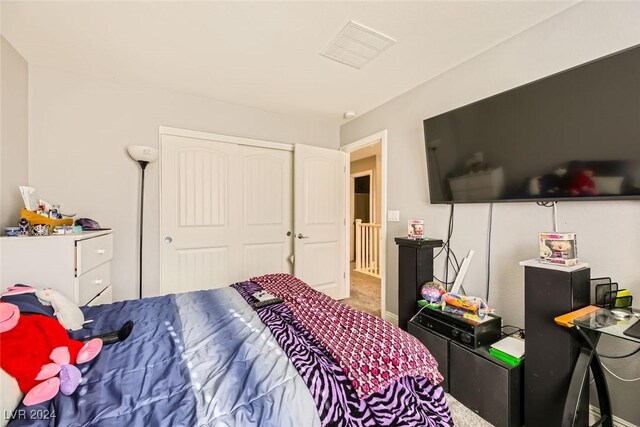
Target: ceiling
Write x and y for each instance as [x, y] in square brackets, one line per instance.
[264, 54]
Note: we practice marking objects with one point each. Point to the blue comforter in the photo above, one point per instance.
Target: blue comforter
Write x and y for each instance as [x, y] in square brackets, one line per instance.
[194, 359]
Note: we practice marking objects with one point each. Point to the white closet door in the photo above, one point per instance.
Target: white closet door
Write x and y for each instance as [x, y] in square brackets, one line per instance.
[319, 219]
[225, 212]
[267, 210]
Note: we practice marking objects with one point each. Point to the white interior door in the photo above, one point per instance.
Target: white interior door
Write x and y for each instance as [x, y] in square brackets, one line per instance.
[320, 179]
[225, 212]
[267, 216]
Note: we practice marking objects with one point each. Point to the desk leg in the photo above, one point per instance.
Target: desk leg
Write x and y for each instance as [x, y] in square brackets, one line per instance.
[603, 391]
[588, 358]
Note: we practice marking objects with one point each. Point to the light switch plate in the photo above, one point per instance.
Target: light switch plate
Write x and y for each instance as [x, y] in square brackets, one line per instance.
[393, 216]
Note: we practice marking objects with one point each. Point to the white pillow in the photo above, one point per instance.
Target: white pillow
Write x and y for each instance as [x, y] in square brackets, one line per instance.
[608, 184]
[10, 396]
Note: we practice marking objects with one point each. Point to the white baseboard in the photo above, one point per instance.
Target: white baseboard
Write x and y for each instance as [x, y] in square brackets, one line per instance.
[594, 414]
[390, 317]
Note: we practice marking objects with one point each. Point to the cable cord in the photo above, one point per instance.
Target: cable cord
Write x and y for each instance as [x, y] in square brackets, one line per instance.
[451, 257]
[489, 233]
[553, 205]
[417, 314]
[448, 252]
[609, 356]
[626, 380]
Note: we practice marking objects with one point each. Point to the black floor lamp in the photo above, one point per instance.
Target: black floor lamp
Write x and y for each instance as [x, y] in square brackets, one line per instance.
[143, 155]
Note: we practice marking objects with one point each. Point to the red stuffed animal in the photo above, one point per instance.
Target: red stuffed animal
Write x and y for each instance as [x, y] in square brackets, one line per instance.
[583, 184]
[38, 353]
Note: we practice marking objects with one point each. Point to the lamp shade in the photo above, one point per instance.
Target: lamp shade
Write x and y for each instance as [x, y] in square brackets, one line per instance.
[142, 153]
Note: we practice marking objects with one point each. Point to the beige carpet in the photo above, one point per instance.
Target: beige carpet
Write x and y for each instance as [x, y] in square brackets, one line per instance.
[463, 416]
[365, 293]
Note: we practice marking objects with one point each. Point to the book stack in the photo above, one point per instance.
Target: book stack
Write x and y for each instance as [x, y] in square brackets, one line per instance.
[510, 350]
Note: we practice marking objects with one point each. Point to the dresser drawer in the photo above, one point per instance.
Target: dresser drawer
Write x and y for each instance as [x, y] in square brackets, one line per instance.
[105, 297]
[93, 282]
[90, 253]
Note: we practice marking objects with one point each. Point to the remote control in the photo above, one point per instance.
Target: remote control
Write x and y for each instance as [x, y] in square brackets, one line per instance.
[268, 302]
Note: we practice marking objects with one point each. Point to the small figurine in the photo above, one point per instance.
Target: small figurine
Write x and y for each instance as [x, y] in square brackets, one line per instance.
[561, 249]
[24, 226]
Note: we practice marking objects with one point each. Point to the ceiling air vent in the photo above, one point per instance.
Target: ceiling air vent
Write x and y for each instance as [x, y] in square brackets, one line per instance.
[357, 45]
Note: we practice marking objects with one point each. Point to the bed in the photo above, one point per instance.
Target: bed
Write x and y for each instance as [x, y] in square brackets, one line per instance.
[210, 358]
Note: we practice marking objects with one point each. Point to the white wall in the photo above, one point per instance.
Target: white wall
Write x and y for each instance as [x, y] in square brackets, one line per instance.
[79, 130]
[607, 231]
[14, 140]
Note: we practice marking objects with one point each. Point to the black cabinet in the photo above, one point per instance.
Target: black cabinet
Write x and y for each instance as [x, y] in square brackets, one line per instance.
[438, 346]
[415, 268]
[551, 350]
[488, 386]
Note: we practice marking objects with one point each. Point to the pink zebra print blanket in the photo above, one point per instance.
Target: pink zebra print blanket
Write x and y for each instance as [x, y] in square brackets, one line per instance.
[371, 352]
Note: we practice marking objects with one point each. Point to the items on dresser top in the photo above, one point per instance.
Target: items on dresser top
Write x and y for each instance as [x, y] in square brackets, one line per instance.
[89, 224]
[12, 231]
[76, 265]
[35, 218]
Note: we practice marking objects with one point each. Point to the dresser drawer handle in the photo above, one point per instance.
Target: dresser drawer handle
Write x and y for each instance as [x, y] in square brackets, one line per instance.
[101, 251]
[98, 282]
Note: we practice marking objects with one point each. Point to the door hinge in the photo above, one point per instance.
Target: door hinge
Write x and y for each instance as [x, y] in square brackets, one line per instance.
[344, 275]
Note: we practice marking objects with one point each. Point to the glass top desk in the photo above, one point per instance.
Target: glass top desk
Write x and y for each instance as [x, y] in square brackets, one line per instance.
[590, 323]
[603, 322]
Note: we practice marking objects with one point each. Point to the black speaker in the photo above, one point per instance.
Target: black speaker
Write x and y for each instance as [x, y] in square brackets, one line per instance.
[438, 346]
[415, 267]
[551, 350]
[486, 385]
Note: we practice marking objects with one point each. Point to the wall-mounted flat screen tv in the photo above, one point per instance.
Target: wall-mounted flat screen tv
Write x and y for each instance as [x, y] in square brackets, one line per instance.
[571, 136]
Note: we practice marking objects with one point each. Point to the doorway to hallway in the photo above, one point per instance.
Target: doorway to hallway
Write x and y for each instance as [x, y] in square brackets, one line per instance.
[366, 227]
[365, 292]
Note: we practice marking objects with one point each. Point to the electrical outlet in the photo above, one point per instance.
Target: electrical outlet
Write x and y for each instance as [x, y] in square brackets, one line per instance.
[393, 216]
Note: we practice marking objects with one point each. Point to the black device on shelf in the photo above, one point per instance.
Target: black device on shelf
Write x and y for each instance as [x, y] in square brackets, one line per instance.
[464, 331]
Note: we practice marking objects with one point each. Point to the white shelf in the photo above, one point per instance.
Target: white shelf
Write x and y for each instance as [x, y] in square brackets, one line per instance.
[535, 262]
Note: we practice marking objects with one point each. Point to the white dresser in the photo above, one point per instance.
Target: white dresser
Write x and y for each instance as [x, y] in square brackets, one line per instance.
[76, 265]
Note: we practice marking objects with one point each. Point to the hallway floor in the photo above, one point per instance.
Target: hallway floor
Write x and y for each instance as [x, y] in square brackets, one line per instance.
[365, 293]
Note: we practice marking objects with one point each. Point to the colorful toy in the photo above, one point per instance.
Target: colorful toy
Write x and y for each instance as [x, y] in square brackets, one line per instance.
[39, 354]
[468, 306]
[432, 292]
[68, 314]
[560, 248]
